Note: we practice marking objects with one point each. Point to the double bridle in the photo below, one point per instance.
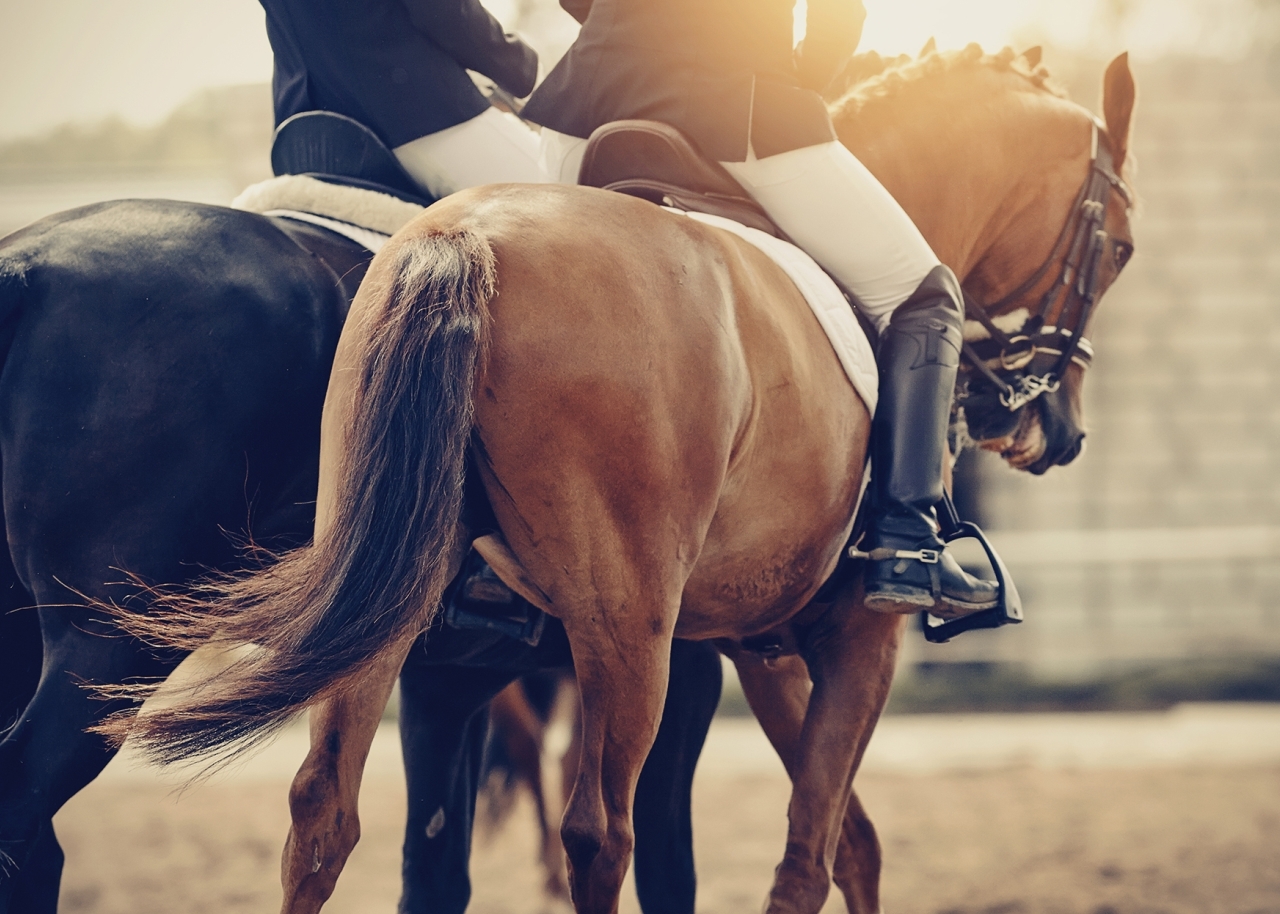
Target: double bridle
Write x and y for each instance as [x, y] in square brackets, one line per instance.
[1010, 361]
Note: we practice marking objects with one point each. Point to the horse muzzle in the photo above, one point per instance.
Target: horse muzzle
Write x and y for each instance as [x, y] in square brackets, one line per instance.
[1058, 457]
[1038, 436]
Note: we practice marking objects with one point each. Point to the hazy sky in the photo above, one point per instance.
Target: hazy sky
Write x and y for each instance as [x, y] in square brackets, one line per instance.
[82, 60]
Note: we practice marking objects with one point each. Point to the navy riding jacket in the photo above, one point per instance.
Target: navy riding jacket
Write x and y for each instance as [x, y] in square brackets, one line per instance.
[397, 66]
[720, 71]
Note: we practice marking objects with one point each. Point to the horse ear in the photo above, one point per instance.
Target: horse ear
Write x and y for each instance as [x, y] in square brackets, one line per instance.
[1118, 95]
[1032, 56]
[929, 47]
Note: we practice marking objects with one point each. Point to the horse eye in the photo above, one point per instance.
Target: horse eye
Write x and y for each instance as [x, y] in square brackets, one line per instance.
[1122, 254]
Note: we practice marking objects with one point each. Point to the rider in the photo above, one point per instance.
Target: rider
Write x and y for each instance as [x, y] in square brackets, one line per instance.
[725, 73]
[400, 68]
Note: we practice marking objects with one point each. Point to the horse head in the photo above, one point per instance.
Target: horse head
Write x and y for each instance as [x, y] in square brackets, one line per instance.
[1058, 272]
[1023, 194]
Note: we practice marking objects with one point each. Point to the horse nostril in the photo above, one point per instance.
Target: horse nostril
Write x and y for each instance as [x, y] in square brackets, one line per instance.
[1072, 451]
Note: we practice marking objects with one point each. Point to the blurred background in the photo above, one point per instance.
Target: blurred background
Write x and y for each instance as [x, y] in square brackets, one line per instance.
[1148, 568]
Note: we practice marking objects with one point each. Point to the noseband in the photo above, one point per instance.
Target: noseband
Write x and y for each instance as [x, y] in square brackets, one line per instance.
[1034, 359]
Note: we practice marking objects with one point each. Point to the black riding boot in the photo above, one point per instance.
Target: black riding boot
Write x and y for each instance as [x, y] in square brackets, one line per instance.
[908, 568]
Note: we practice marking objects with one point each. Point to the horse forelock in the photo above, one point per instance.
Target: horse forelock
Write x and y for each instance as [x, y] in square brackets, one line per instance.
[889, 79]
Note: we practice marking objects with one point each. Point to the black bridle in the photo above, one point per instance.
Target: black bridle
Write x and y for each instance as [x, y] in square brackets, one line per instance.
[1010, 362]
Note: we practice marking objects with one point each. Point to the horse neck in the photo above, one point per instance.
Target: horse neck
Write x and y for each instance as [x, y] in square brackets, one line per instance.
[970, 183]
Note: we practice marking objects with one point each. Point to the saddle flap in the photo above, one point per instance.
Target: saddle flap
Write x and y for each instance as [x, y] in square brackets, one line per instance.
[653, 160]
[334, 147]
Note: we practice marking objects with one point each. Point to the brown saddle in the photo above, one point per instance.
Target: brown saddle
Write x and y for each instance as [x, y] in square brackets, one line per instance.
[654, 161]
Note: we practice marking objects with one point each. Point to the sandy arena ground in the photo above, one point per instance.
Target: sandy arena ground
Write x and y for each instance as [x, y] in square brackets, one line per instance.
[991, 814]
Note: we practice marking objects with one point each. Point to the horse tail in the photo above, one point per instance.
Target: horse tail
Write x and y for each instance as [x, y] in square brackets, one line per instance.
[325, 613]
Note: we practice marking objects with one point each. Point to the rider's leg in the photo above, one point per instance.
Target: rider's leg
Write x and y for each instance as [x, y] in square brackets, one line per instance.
[561, 156]
[918, 357]
[837, 211]
[493, 147]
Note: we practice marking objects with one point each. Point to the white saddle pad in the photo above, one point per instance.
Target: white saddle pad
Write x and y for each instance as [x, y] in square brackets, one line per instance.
[366, 217]
[369, 218]
[825, 299]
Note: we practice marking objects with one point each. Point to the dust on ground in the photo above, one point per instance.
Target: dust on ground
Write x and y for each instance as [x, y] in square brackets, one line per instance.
[1050, 821]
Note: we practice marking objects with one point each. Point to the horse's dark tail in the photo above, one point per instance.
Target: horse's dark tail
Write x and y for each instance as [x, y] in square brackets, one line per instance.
[326, 612]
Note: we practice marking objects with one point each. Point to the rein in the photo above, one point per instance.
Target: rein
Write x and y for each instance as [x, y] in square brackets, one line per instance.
[1076, 288]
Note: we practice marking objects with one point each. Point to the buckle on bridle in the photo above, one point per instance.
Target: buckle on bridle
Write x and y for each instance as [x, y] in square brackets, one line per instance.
[1017, 354]
[1028, 388]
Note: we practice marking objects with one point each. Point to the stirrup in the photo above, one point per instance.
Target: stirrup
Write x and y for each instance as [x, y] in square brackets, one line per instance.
[475, 604]
[1008, 608]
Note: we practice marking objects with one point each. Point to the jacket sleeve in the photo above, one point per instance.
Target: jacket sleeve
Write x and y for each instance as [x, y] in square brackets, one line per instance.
[832, 32]
[578, 9]
[467, 32]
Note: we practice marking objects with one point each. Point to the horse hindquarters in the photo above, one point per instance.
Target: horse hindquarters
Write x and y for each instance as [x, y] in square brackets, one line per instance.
[393, 447]
[147, 412]
[606, 428]
[20, 648]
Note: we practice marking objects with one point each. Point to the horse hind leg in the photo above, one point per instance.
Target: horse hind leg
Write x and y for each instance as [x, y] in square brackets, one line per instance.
[48, 756]
[521, 730]
[324, 795]
[442, 733]
[622, 650]
[665, 876]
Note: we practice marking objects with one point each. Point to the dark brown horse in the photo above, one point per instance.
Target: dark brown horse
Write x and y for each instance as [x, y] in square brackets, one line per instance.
[667, 441]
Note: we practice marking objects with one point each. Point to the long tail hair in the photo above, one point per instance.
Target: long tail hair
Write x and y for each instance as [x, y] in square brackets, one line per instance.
[324, 613]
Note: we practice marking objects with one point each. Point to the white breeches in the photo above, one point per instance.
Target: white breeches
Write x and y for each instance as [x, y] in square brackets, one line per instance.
[830, 205]
[493, 147]
[561, 156]
[842, 217]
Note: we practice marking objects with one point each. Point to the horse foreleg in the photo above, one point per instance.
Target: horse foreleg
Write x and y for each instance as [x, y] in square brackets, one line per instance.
[324, 796]
[778, 693]
[850, 654]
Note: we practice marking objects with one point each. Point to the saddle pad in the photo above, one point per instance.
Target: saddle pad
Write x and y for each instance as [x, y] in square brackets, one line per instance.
[368, 239]
[829, 306]
[365, 216]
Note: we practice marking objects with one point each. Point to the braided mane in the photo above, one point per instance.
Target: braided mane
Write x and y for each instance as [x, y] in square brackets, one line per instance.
[870, 77]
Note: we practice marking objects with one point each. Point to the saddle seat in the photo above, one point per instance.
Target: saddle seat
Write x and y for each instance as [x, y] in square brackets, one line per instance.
[654, 161]
[336, 149]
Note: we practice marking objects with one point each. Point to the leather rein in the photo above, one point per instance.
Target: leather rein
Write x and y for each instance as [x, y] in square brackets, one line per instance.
[1006, 360]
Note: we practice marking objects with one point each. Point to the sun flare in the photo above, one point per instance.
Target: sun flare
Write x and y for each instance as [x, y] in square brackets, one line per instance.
[898, 26]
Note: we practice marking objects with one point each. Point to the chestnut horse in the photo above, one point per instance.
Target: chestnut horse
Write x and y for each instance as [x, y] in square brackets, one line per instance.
[667, 441]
